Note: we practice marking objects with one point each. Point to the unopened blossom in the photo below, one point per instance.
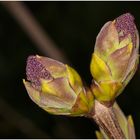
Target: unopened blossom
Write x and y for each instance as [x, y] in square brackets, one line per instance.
[56, 87]
[115, 57]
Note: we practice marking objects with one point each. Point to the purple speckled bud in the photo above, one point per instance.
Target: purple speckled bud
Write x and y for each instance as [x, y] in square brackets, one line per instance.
[115, 58]
[57, 88]
[35, 70]
[125, 25]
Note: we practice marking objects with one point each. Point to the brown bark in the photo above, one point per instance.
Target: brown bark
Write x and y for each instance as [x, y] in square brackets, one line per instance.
[105, 118]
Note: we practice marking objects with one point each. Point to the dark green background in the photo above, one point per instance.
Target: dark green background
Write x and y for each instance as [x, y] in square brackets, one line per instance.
[73, 26]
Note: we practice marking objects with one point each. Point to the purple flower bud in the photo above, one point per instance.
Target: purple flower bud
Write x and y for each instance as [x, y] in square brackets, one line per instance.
[56, 87]
[125, 25]
[35, 71]
[115, 57]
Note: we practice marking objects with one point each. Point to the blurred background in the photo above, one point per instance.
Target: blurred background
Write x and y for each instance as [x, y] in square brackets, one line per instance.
[66, 27]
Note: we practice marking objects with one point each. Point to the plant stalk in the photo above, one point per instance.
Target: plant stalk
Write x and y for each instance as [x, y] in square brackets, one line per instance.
[106, 119]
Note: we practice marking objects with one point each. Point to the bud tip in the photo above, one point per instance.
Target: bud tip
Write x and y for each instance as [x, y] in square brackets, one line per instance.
[35, 70]
[125, 25]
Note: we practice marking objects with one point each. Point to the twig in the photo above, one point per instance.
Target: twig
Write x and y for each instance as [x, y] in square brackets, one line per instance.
[106, 119]
[40, 37]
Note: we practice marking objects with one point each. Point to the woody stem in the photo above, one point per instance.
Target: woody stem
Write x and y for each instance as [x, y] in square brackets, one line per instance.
[106, 119]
